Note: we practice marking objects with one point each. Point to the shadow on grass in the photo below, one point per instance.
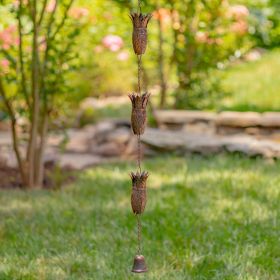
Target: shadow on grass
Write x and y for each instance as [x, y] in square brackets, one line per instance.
[207, 218]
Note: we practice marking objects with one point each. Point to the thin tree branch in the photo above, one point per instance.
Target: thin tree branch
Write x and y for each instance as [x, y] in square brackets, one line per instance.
[46, 56]
[63, 20]
[42, 12]
[11, 113]
[32, 145]
[20, 51]
[10, 58]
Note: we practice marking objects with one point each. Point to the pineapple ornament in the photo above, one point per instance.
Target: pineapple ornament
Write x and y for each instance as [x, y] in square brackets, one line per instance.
[139, 103]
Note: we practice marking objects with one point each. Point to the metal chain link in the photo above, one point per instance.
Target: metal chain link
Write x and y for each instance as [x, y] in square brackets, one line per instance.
[139, 7]
[139, 225]
[139, 153]
[139, 73]
[139, 234]
[138, 216]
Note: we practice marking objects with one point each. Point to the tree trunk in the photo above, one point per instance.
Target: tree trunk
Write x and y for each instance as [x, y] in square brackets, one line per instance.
[11, 113]
[163, 86]
[39, 173]
[36, 102]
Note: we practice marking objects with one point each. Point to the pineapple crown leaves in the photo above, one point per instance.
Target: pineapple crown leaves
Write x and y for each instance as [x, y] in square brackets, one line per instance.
[139, 177]
[139, 101]
[140, 20]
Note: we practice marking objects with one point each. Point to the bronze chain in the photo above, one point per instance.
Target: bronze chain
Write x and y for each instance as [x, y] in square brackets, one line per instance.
[139, 7]
[139, 73]
[139, 224]
[139, 102]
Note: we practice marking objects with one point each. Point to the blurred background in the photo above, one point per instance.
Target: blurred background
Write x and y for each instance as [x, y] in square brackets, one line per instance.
[212, 143]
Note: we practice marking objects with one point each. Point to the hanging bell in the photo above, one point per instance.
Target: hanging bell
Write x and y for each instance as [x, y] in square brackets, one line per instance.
[139, 37]
[139, 265]
[138, 114]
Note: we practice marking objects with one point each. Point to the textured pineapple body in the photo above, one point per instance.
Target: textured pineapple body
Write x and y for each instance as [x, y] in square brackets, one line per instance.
[138, 121]
[139, 39]
[138, 200]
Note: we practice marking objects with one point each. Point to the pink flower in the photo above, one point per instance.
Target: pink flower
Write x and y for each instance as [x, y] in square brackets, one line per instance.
[123, 56]
[4, 65]
[16, 3]
[98, 49]
[78, 12]
[42, 43]
[201, 37]
[164, 15]
[240, 27]
[11, 28]
[8, 37]
[112, 42]
[108, 16]
[238, 12]
[51, 6]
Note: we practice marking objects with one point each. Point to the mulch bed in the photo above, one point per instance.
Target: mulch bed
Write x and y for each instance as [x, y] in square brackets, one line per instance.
[55, 177]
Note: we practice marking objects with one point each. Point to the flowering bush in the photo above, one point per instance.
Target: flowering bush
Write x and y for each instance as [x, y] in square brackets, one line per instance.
[78, 12]
[9, 37]
[205, 38]
[37, 53]
[5, 63]
[112, 42]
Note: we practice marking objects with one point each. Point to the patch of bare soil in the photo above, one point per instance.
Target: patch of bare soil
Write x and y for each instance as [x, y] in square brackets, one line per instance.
[54, 178]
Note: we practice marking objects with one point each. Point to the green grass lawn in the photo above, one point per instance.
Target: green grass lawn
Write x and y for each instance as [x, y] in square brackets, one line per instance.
[215, 218]
[254, 86]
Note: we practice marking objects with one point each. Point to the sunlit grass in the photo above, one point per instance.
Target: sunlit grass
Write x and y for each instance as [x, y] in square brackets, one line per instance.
[206, 218]
[254, 86]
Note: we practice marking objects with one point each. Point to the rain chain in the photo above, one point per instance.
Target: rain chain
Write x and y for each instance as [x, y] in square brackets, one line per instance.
[139, 102]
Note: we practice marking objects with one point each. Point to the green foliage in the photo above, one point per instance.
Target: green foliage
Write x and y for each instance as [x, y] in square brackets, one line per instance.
[57, 45]
[254, 86]
[199, 37]
[206, 35]
[265, 22]
[213, 218]
[205, 91]
[88, 116]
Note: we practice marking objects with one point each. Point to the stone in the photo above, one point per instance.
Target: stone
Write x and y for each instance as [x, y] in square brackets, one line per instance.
[275, 137]
[131, 147]
[238, 119]
[5, 138]
[253, 130]
[78, 161]
[55, 140]
[8, 157]
[103, 129]
[205, 146]
[184, 117]
[271, 120]
[199, 128]
[5, 126]
[251, 146]
[120, 136]
[78, 141]
[167, 140]
[110, 149]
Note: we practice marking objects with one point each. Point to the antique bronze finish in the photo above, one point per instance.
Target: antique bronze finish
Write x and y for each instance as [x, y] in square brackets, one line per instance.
[139, 192]
[139, 265]
[139, 103]
[139, 35]
[138, 115]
